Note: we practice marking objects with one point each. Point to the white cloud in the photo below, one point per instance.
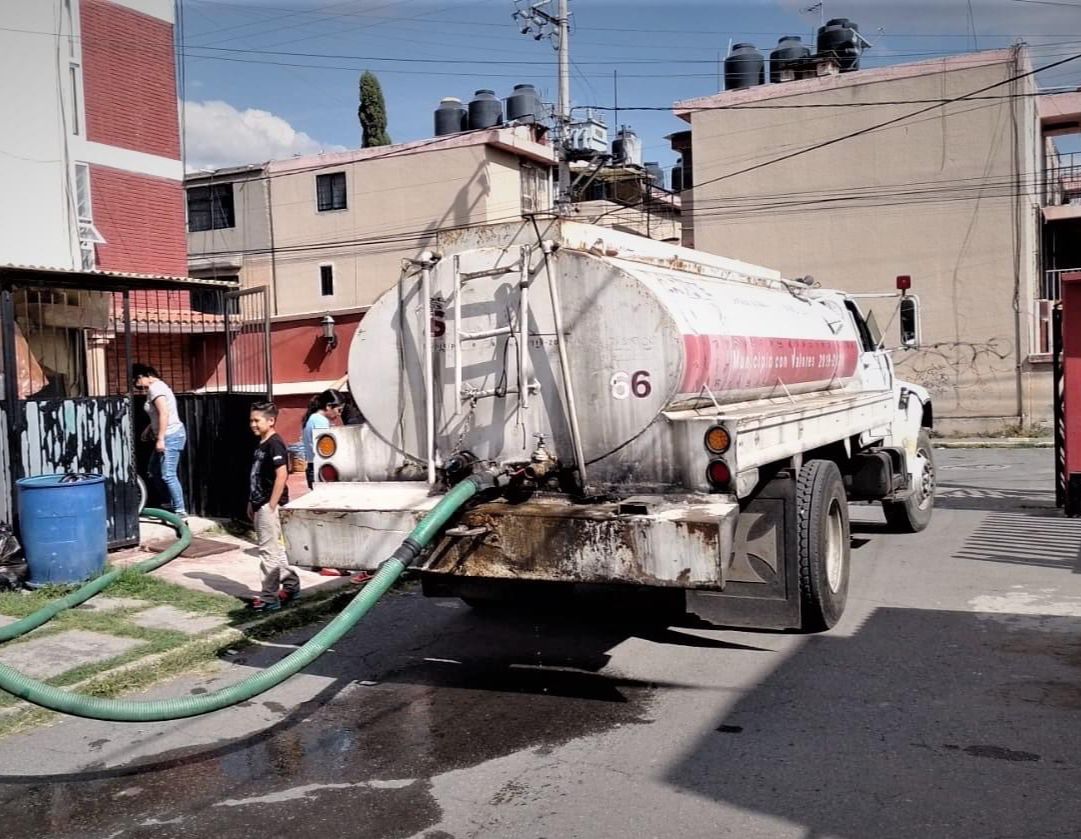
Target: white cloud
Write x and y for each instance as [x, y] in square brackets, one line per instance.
[217, 134]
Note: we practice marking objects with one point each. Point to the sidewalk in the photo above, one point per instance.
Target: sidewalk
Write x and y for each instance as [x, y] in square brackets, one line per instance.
[179, 618]
[993, 442]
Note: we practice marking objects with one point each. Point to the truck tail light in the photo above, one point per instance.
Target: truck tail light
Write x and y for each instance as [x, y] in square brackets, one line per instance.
[326, 445]
[717, 439]
[718, 474]
[327, 473]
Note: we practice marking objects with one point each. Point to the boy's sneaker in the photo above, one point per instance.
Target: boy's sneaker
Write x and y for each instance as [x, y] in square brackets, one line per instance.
[285, 597]
[259, 605]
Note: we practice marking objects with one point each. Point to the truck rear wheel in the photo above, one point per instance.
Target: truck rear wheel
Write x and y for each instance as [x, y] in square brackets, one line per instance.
[914, 513]
[824, 550]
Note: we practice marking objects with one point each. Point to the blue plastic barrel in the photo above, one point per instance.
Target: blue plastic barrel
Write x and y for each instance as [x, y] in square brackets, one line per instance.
[63, 526]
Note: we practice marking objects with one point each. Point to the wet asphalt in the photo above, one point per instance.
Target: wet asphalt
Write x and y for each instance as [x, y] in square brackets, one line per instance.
[946, 703]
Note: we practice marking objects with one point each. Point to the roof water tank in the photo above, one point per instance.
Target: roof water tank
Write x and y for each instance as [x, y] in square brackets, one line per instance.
[655, 172]
[840, 39]
[627, 148]
[677, 178]
[789, 53]
[485, 111]
[744, 67]
[523, 104]
[450, 116]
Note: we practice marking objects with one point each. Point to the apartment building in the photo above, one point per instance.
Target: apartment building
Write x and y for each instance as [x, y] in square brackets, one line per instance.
[932, 169]
[328, 233]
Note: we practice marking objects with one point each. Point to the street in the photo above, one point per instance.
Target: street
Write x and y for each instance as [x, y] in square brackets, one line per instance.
[946, 704]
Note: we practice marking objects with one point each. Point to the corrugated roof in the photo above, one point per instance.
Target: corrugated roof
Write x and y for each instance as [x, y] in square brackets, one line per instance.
[102, 280]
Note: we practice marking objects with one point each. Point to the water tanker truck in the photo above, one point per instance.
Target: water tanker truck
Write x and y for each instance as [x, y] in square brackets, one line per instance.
[657, 416]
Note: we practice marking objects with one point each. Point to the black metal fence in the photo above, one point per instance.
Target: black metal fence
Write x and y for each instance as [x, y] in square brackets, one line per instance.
[69, 403]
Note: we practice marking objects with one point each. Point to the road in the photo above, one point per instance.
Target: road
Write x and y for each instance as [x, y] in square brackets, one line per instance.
[946, 704]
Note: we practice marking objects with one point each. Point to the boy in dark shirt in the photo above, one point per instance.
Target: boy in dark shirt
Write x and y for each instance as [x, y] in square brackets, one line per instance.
[268, 490]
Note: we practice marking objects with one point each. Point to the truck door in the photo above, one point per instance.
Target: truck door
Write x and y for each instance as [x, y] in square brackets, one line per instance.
[876, 372]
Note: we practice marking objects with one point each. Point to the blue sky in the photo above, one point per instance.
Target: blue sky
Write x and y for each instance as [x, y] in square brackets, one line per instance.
[271, 79]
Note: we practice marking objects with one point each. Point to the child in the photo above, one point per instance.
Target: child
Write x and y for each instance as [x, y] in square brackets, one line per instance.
[323, 408]
[269, 472]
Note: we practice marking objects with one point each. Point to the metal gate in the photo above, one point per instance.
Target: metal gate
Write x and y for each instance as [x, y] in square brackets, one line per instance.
[1057, 398]
[247, 346]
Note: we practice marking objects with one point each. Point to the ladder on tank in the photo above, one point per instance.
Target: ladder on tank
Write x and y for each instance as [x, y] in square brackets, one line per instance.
[520, 332]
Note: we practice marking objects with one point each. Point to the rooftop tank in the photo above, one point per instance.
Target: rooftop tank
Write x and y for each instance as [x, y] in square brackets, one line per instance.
[789, 54]
[840, 39]
[744, 67]
[627, 148]
[450, 116]
[485, 110]
[523, 104]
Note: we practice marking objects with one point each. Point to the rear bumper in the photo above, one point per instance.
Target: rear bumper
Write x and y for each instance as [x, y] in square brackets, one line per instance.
[668, 540]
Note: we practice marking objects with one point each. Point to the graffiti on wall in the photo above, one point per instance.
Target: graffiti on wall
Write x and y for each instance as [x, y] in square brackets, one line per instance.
[959, 370]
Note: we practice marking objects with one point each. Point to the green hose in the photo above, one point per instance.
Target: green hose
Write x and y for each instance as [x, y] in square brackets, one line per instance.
[126, 710]
[98, 584]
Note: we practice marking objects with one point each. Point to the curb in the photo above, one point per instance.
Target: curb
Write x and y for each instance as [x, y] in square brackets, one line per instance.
[995, 443]
[232, 637]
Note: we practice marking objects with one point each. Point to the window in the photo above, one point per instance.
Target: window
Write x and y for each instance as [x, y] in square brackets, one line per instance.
[326, 280]
[534, 182]
[210, 207]
[330, 191]
[88, 234]
[74, 78]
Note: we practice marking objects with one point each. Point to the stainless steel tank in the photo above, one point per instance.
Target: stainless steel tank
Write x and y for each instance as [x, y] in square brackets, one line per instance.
[648, 327]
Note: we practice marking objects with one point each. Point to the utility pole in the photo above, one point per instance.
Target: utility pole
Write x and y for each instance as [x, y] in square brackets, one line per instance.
[534, 19]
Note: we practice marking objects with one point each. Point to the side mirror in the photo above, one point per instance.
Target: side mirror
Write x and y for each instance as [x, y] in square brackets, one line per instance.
[910, 322]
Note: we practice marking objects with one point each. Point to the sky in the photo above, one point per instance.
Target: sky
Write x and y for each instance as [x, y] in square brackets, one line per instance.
[270, 79]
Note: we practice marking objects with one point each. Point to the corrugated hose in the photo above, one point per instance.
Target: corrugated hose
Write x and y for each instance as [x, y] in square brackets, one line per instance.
[129, 710]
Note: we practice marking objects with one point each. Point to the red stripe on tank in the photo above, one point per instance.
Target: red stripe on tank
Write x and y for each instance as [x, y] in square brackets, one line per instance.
[740, 362]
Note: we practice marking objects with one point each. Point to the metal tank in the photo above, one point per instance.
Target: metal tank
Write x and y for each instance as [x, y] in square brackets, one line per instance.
[789, 54]
[744, 67]
[485, 110]
[523, 104]
[655, 172]
[627, 148]
[648, 327]
[450, 116]
[840, 39]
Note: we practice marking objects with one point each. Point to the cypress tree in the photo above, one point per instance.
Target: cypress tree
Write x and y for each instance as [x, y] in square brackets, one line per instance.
[372, 112]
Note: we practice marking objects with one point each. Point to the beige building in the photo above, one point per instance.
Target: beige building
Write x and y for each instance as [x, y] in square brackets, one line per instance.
[934, 170]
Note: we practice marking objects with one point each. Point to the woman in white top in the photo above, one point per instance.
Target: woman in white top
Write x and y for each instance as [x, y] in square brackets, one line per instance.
[322, 409]
[166, 430]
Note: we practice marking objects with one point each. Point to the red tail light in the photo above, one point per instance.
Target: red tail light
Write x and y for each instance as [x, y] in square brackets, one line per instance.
[718, 474]
[327, 473]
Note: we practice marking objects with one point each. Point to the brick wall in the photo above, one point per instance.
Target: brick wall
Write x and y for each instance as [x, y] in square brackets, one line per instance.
[170, 355]
[142, 221]
[129, 79]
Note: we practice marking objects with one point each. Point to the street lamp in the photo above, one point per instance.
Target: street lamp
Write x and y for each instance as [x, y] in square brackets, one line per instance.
[329, 335]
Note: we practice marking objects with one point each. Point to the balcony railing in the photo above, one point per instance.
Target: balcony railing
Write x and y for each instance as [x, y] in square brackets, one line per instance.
[1062, 180]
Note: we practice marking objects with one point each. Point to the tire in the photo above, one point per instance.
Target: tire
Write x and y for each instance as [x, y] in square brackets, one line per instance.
[914, 513]
[823, 544]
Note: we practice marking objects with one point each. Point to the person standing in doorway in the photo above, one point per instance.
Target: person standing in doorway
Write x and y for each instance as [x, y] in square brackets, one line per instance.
[268, 491]
[323, 409]
[167, 432]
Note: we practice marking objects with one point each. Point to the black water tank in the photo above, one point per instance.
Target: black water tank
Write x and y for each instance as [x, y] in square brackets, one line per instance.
[840, 39]
[450, 117]
[485, 111]
[744, 67]
[789, 54]
[523, 104]
[677, 178]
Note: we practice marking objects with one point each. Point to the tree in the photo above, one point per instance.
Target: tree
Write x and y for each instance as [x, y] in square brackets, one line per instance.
[372, 112]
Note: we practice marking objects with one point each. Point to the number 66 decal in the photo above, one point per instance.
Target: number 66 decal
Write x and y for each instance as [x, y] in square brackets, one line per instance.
[634, 384]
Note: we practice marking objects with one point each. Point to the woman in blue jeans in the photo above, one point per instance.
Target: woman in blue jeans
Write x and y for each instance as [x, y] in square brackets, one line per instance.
[166, 430]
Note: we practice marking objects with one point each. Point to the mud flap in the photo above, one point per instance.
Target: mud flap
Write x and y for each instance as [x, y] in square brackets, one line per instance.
[762, 591]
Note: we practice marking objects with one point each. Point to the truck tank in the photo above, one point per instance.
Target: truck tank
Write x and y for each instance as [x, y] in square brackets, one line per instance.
[648, 327]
